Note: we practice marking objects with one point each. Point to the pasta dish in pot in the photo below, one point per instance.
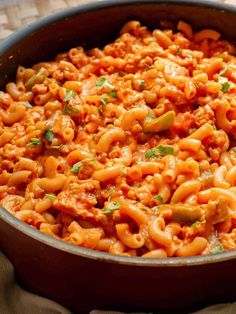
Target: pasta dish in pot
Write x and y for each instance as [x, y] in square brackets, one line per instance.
[129, 149]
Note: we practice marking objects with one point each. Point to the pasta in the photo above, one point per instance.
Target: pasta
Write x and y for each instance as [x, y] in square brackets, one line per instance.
[129, 149]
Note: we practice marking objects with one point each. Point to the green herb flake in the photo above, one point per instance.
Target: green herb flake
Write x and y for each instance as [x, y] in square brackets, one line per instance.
[218, 249]
[49, 135]
[224, 83]
[34, 142]
[27, 105]
[113, 94]
[165, 150]
[103, 82]
[70, 110]
[92, 159]
[234, 149]
[150, 154]
[104, 101]
[112, 208]
[70, 94]
[158, 198]
[151, 68]
[196, 224]
[223, 71]
[51, 197]
[76, 167]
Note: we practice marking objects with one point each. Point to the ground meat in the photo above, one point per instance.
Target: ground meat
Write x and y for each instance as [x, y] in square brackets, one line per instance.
[204, 115]
[79, 199]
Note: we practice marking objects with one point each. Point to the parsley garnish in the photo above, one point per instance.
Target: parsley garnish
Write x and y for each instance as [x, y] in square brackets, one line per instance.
[70, 110]
[162, 150]
[165, 150]
[159, 198]
[104, 101]
[70, 94]
[34, 142]
[217, 249]
[196, 224]
[234, 149]
[48, 135]
[113, 94]
[224, 83]
[92, 159]
[75, 168]
[103, 82]
[150, 154]
[51, 197]
[112, 208]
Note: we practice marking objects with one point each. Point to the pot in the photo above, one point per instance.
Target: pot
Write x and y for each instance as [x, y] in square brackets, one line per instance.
[79, 278]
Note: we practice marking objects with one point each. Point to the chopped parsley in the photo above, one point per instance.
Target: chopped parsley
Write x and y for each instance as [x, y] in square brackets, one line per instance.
[224, 83]
[34, 142]
[217, 249]
[234, 149]
[112, 208]
[104, 101]
[165, 150]
[92, 159]
[51, 197]
[196, 224]
[103, 82]
[150, 154]
[161, 151]
[70, 110]
[158, 198]
[49, 135]
[70, 94]
[113, 94]
[76, 167]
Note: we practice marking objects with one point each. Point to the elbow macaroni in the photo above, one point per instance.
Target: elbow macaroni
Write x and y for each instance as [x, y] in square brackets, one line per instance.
[127, 149]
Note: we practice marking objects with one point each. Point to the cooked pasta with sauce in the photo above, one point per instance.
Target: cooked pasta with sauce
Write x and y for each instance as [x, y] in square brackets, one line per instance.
[129, 149]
